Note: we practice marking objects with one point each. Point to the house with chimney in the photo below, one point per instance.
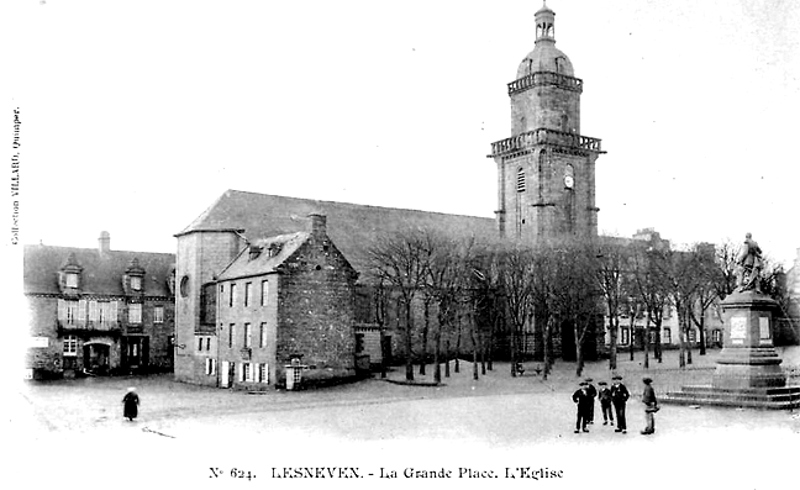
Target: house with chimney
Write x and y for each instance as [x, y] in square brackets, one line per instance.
[281, 299]
[98, 311]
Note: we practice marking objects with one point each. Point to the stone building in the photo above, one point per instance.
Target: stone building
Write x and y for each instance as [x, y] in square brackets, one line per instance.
[546, 169]
[98, 310]
[282, 298]
[213, 252]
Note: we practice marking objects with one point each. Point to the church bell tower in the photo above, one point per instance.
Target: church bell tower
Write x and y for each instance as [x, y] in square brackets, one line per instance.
[545, 170]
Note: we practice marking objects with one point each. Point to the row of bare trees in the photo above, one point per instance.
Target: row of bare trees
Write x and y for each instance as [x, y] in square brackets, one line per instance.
[482, 291]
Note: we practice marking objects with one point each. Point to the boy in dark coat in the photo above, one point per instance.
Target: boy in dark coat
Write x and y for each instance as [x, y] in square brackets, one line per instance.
[619, 397]
[650, 406]
[584, 402]
[605, 403]
[593, 394]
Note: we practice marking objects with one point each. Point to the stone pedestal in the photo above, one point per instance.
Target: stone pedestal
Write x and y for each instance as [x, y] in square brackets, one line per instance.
[748, 358]
[748, 372]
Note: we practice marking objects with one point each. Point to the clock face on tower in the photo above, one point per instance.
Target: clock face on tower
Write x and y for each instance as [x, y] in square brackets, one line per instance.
[569, 182]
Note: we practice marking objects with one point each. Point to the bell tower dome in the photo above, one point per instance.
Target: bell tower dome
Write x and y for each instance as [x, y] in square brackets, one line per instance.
[546, 177]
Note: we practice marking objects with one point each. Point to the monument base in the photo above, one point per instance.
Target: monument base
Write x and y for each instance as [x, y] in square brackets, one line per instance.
[783, 398]
[748, 372]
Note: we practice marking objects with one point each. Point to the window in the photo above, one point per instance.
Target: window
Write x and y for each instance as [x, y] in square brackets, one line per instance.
[233, 295]
[521, 180]
[230, 334]
[264, 292]
[263, 335]
[716, 335]
[208, 343]
[184, 286]
[72, 280]
[246, 374]
[692, 335]
[651, 336]
[199, 344]
[211, 367]
[72, 312]
[625, 336]
[135, 313]
[158, 314]
[263, 373]
[94, 313]
[666, 336]
[247, 287]
[70, 345]
[107, 311]
[248, 338]
[136, 283]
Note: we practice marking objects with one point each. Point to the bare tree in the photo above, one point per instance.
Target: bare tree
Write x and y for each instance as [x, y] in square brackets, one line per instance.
[613, 262]
[400, 260]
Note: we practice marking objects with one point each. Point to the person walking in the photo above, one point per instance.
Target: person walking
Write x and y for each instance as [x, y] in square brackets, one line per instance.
[650, 406]
[583, 400]
[593, 394]
[619, 397]
[130, 404]
[604, 395]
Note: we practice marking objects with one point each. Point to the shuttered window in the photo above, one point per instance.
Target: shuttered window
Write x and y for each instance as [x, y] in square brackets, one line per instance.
[520, 180]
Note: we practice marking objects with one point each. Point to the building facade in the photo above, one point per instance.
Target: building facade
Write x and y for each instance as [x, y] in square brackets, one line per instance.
[283, 299]
[546, 169]
[98, 311]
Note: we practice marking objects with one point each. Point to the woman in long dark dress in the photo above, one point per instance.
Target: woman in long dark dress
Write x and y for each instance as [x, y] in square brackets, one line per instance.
[131, 404]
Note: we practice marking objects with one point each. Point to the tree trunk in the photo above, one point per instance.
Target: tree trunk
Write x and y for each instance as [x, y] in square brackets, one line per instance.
[632, 334]
[474, 349]
[424, 346]
[546, 328]
[490, 347]
[437, 368]
[458, 347]
[647, 345]
[578, 348]
[409, 365]
[657, 351]
[447, 359]
[383, 353]
[701, 332]
[613, 323]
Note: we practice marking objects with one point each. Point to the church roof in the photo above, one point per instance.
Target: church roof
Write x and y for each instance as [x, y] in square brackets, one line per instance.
[352, 227]
[101, 272]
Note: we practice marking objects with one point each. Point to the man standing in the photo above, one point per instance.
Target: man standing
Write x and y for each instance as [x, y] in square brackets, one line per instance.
[619, 397]
[650, 406]
[583, 400]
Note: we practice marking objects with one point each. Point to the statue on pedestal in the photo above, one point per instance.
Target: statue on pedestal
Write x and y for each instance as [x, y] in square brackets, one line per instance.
[748, 266]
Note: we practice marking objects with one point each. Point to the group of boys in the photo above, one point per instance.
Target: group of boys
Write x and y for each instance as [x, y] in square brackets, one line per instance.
[616, 395]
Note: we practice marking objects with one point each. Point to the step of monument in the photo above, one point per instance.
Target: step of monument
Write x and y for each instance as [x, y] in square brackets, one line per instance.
[728, 399]
[737, 394]
[782, 390]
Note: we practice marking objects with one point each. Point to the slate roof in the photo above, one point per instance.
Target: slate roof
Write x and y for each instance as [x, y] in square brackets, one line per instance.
[102, 274]
[351, 227]
[244, 266]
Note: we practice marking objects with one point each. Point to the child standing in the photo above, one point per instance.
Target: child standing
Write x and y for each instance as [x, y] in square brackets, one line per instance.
[605, 403]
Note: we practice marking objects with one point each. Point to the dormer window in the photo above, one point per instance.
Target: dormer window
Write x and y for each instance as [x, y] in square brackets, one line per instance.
[136, 283]
[72, 280]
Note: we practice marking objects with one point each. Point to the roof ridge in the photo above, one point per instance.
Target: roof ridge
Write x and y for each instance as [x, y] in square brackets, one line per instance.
[351, 204]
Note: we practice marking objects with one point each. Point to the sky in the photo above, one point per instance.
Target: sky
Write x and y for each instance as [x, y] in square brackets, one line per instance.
[136, 116]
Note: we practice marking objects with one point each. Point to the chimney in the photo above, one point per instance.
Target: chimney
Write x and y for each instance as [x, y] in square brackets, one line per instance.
[318, 225]
[104, 242]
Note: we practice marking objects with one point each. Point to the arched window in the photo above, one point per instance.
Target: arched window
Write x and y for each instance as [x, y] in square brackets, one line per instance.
[521, 180]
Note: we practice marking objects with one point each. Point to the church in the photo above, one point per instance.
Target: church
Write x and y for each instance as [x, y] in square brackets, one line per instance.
[244, 264]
